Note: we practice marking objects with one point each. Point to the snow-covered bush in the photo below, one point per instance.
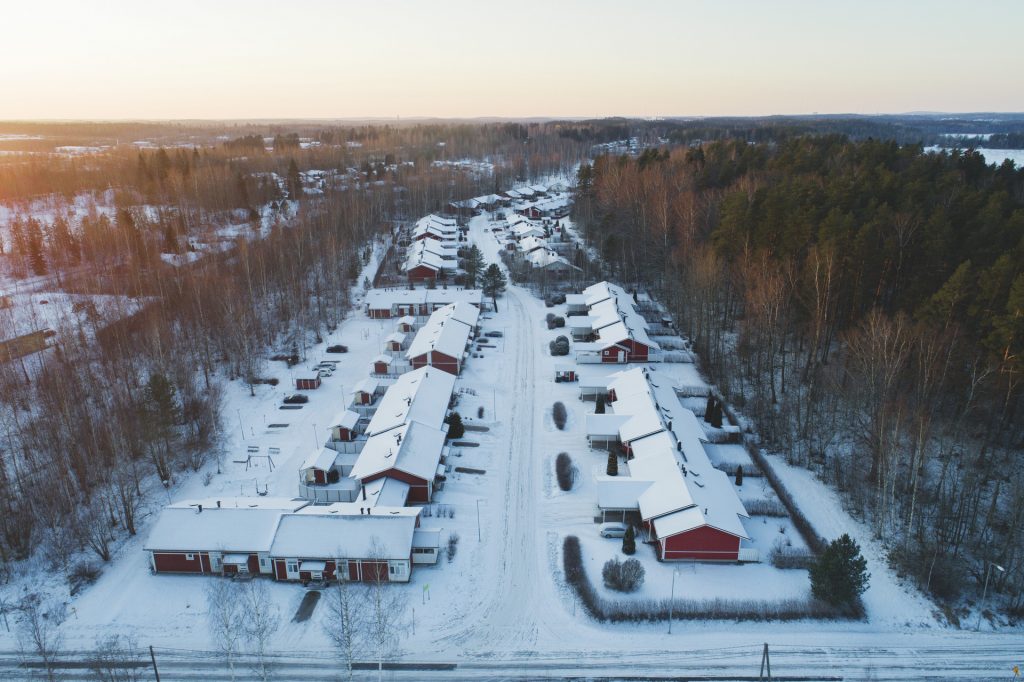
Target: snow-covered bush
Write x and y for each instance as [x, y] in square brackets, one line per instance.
[564, 471]
[623, 576]
[559, 415]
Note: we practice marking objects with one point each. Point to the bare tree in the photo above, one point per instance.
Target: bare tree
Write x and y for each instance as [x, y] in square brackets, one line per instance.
[115, 659]
[346, 622]
[261, 620]
[386, 610]
[225, 619]
[38, 631]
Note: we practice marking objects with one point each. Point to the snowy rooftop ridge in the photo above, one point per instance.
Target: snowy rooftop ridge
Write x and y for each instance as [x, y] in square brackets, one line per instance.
[447, 331]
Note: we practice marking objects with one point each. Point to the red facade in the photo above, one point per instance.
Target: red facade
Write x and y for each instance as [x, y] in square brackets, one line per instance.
[422, 273]
[434, 359]
[625, 351]
[703, 544]
[419, 490]
[380, 368]
[178, 562]
[307, 384]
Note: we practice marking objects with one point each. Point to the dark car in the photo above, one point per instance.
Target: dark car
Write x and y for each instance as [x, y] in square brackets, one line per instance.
[337, 349]
[494, 335]
[296, 399]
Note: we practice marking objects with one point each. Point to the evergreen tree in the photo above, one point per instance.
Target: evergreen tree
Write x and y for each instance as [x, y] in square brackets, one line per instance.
[613, 464]
[455, 427]
[494, 283]
[293, 180]
[739, 475]
[600, 405]
[629, 541]
[63, 242]
[840, 575]
[34, 244]
[473, 265]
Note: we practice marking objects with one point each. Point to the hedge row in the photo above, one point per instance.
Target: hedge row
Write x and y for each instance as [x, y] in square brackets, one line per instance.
[653, 610]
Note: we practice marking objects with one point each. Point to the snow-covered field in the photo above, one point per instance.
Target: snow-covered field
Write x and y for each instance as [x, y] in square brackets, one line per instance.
[501, 604]
[992, 156]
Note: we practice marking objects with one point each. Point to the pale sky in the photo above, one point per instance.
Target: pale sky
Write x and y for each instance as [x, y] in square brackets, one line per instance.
[153, 59]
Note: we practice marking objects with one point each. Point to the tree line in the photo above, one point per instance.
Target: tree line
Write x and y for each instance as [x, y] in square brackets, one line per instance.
[864, 303]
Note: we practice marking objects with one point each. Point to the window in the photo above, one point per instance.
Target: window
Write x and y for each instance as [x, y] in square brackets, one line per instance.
[263, 561]
[190, 557]
[423, 550]
[396, 569]
[293, 566]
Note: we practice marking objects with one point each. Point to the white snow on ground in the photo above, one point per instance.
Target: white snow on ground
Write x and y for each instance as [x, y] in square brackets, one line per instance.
[501, 603]
[992, 156]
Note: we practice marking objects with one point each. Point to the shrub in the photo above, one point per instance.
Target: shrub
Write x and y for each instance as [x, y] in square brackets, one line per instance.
[559, 415]
[480, 412]
[599, 409]
[623, 576]
[82, 574]
[560, 346]
[613, 464]
[549, 318]
[739, 475]
[558, 322]
[765, 507]
[564, 471]
[453, 544]
[840, 575]
[629, 541]
[787, 557]
[455, 427]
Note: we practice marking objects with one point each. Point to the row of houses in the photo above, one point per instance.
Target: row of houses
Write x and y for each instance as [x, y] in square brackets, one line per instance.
[352, 519]
[440, 342]
[290, 539]
[506, 199]
[686, 507]
[382, 304]
[607, 326]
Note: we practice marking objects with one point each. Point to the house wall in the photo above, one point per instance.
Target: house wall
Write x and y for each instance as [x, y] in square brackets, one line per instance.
[379, 313]
[439, 360]
[421, 273]
[419, 490]
[176, 562]
[702, 544]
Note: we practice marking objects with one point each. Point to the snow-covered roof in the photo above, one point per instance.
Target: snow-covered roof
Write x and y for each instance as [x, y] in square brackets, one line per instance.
[406, 319]
[413, 448]
[546, 258]
[341, 531]
[395, 337]
[685, 490]
[605, 424]
[433, 246]
[368, 385]
[345, 420]
[620, 492]
[539, 189]
[386, 299]
[240, 524]
[385, 492]
[447, 331]
[420, 395]
[528, 244]
[322, 460]
[427, 538]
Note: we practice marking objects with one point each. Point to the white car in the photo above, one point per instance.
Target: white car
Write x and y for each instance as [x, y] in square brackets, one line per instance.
[324, 373]
[612, 530]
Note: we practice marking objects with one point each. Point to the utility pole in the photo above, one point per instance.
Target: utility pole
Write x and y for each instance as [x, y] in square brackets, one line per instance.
[766, 661]
[672, 600]
[984, 592]
[152, 657]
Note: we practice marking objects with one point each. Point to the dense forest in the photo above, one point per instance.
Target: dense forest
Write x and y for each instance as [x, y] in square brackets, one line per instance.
[237, 242]
[863, 303]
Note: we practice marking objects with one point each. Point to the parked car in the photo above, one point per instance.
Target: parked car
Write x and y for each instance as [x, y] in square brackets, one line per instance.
[338, 348]
[328, 364]
[612, 530]
[494, 335]
[324, 373]
[296, 399]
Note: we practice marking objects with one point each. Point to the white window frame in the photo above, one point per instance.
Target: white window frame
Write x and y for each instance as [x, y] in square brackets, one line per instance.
[190, 556]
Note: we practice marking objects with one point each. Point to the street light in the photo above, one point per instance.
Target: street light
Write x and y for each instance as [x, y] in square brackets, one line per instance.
[672, 600]
[984, 592]
[478, 520]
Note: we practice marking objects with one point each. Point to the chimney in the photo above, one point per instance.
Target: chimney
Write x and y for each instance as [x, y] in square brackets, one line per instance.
[199, 509]
[218, 504]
